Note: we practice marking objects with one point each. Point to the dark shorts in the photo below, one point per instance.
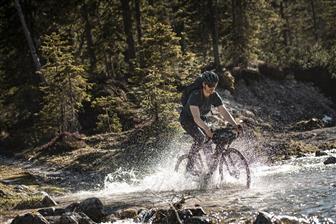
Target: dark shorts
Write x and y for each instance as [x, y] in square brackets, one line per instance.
[199, 139]
[192, 129]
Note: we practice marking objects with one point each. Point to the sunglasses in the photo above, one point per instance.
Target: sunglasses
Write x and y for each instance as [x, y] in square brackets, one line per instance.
[211, 85]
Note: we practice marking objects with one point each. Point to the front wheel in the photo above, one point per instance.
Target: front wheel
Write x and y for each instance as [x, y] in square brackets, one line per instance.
[234, 167]
[182, 161]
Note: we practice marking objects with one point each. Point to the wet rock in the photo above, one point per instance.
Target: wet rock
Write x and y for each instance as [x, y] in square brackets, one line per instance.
[52, 211]
[166, 216]
[127, 213]
[47, 211]
[68, 219]
[330, 160]
[171, 216]
[75, 218]
[93, 208]
[320, 153]
[197, 220]
[197, 211]
[300, 155]
[185, 214]
[59, 211]
[72, 207]
[30, 218]
[47, 201]
[146, 215]
[263, 218]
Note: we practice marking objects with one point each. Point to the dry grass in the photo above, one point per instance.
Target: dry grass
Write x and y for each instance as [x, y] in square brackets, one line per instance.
[295, 147]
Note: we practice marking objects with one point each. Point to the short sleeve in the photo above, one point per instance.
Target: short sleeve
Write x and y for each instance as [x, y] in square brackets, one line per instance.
[194, 99]
[217, 100]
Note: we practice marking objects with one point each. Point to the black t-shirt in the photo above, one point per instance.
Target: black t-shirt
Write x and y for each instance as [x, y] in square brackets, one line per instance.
[204, 104]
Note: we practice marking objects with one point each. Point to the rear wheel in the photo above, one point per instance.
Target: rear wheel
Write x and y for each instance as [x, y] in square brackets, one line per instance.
[234, 168]
[181, 163]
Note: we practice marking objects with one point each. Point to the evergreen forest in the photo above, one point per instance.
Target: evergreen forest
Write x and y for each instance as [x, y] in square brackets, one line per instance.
[111, 66]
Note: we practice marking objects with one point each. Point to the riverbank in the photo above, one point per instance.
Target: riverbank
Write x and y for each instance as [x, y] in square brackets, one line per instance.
[297, 185]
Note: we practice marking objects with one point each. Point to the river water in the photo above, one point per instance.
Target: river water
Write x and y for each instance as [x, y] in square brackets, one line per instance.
[299, 187]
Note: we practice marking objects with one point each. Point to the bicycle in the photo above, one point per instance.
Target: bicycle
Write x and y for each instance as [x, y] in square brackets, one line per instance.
[228, 159]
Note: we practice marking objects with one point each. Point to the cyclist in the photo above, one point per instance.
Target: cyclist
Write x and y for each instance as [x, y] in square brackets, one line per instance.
[192, 117]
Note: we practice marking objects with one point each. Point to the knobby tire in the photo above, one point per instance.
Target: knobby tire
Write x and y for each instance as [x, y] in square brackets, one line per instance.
[227, 165]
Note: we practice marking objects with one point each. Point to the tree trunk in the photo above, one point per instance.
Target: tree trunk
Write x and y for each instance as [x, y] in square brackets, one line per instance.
[28, 36]
[204, 31]
[214, 31]
[107, 65]
[237, 29]
[138, 28]
[89, 39]
[314, 19]
[285, 30]
[138, 20]
[233, 8]
[130, 52]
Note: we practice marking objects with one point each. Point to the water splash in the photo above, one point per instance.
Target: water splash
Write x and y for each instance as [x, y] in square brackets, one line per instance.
[164, 177]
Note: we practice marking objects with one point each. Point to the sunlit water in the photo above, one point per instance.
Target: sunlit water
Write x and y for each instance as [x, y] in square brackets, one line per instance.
[300, 187]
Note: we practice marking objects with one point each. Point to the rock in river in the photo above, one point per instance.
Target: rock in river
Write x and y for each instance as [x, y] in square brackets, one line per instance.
[30, 218]
[93, 208]
[330, 160]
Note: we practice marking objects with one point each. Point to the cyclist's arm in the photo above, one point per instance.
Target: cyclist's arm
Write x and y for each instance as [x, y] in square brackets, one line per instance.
[226, 115]
[200, 123]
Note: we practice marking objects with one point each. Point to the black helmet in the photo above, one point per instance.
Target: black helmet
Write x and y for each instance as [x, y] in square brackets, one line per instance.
[210, 77]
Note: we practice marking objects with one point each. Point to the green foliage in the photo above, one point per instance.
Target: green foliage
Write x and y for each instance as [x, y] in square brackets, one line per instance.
[314, 56]
[65, 87]
[161, 72]
[173, 40]
[108, 120]
[332, 61]
[328, 15]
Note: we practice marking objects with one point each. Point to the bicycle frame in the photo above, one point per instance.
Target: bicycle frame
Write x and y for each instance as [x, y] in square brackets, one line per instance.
[222, 156]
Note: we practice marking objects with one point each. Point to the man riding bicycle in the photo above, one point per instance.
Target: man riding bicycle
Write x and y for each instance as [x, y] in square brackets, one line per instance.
[192, 117]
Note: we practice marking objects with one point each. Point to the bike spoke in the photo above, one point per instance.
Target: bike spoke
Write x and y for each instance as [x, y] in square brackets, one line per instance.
[234, 168]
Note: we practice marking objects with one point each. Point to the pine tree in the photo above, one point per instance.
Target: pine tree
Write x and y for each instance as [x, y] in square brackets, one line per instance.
[329, 32]
[19, 95]
[108, 120]
[243, 42]
[110, 43]
[162, 61]
[66, 86]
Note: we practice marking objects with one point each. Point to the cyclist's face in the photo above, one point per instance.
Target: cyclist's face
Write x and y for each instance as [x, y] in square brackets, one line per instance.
[209, 89]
